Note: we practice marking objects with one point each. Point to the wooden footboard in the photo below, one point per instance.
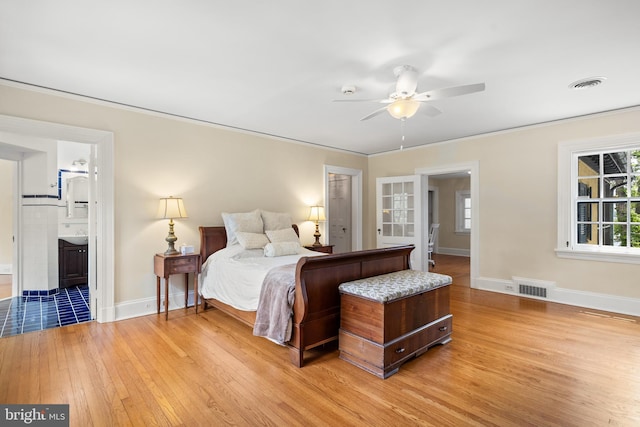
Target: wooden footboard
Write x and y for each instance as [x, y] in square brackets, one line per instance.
[316, 311]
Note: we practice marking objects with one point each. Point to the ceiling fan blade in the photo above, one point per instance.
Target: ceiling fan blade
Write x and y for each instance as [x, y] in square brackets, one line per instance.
[407, 81]
[449, 92]
[375, 113]
[429, 110]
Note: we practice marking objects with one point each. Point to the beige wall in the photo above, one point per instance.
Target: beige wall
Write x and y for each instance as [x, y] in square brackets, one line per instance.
[217, 170]
[518, 200]
[212, 169]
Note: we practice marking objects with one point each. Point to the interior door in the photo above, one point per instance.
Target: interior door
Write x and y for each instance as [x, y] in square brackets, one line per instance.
[399, 215]
[340, 212]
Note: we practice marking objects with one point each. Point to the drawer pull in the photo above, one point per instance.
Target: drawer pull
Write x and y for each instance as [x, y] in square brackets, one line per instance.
[400, 350]
[442, 328]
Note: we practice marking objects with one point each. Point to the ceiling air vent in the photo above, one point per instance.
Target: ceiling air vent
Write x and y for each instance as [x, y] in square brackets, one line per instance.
[587, 83]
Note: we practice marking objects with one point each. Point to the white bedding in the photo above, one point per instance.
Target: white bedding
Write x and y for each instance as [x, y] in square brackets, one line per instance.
[234, 275]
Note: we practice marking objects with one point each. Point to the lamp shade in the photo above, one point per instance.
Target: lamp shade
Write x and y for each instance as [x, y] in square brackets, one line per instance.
[171, 207]
[316, 214]
[403, 108]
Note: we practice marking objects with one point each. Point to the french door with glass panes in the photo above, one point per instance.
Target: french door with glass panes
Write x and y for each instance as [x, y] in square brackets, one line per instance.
[399, 215]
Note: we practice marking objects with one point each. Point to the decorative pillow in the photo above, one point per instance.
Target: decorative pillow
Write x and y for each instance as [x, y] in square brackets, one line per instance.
[252, 240]
[281, 248]
[275, 220]
[284, 235]
[250, 222]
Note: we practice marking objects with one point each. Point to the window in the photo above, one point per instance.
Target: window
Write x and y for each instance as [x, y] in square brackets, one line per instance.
[463, 211]
[599, 199]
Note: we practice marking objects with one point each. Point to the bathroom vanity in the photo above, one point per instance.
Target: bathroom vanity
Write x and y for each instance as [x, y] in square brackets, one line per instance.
[73, 263]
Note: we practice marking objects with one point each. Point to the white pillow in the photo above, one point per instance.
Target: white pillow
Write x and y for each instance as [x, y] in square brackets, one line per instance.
[250, 222]
[281, 249]
[276, 220]
[284, 235]
[252, 240]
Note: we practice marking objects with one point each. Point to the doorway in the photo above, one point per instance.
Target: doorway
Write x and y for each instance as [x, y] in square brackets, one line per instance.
[343, 205]
[453, 173]
[20, 132]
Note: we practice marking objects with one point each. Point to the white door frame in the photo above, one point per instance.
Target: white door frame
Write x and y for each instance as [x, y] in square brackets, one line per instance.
[473, 167]
[356, 201]
[104, 231]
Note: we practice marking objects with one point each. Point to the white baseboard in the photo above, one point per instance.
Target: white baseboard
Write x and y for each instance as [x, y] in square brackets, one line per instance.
[454, 251]
[593, 300]
[146, 306]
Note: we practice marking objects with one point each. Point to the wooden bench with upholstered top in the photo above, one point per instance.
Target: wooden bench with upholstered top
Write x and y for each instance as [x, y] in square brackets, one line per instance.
[386, 320]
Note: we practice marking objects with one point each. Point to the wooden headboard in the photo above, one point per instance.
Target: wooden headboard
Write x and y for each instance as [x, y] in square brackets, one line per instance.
[212, 239]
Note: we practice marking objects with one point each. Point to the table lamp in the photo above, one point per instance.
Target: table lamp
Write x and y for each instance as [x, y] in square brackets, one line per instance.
[170, 208]
[316, 214]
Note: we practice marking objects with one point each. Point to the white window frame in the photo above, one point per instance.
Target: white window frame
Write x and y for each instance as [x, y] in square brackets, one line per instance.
[566, 246]
[461, 196]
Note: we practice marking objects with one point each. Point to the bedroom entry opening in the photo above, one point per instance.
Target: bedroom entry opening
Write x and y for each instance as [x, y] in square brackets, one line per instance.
[343, 206]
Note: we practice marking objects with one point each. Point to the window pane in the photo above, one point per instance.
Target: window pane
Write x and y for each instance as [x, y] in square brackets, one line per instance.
[614, 235]
[589, 187]
[589, 165]
[386, 189]
[467, 224]
[386, 229]
[635, 161]
[386, 203]
[409, 217]
[635, 211]
[386, 216]
[397, 230]
[615, 163]
[615, 186]
[587, 211]
[409, 204]
[614, 211]
[635, 186]
[635, 236]
[409, 230]
[467, 203]
[588, 234]
[408, 187]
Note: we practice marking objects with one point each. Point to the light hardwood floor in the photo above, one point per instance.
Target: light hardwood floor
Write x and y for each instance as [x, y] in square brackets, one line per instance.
[512, 362]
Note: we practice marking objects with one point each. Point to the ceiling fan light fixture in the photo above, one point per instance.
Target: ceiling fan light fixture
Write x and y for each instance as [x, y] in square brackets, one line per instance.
[403, 108]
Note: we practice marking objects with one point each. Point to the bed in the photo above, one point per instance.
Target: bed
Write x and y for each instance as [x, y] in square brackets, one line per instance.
[316, 304]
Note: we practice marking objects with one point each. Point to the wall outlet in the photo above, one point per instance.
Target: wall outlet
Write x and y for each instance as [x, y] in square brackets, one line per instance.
[509, 288]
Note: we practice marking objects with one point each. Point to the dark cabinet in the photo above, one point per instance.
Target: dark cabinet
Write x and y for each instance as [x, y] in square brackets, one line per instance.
[73, 263]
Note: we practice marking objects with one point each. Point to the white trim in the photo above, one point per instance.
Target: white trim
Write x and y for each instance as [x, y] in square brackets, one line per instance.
[566, 207]
[592, 300]
[454, 251]
[356, 201]
[146, 306]
[474, 168]
[104, 236]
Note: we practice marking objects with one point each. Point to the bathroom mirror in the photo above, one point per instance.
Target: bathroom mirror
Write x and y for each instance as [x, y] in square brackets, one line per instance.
[73, 189]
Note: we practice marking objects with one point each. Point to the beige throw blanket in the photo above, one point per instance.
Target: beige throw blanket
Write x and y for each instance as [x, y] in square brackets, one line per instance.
[275, 306]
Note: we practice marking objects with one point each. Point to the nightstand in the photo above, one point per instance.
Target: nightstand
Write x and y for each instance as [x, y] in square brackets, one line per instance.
[327, 249]
[166, 265]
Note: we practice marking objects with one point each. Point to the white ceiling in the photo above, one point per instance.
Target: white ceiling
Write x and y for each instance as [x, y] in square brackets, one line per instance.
[274, 67]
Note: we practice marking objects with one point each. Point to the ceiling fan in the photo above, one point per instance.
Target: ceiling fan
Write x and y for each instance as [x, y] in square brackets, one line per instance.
[404, 102]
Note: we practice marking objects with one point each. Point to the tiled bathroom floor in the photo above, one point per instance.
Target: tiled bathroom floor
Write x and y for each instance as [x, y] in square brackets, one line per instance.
[34, 313]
